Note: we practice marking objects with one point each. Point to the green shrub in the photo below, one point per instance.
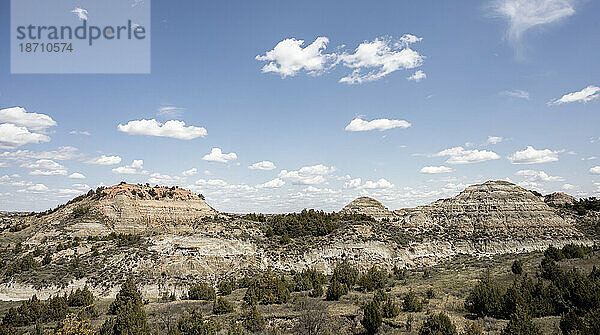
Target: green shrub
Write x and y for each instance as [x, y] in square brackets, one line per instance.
[520, 323]
[371, 318]
[486, 298]
[346, 274]
[128, 310]
[412, 303]
[253, 320]
[336, 290]
[267, 289]
[317, 291]
[387, 305]
[81, 297]
[226, 287]
[399, 274]
[517, 267]
[222, 306]
[373, 279]
[472, 328]
[438, 324]
[193, 323]
[201, 291]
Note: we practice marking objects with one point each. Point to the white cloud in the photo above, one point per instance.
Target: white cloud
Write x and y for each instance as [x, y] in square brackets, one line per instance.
[61, 154]
[263, 165]
[569, 187]
[45, 167]
[136, 167]
[525, 14]
[516, 94]
[308, 175]
[436, 169]
[275, 183]
[105, 160]
[190, 172]
[163, 179]
[595, 170]
[494, 139]
[172, 128]
[20, 117]
[80, 132]
[12, 136]
[407, 39]
[36, 188]
[532, 156]
[379, 58]
[418, 76]
[169, 111]
[216, 155]
[458, 155]
[585, 95]
[538, 175]
[353, 183]
[81, 13]
[288, 57]
[376, 185]
[359, 124]
[76, 175]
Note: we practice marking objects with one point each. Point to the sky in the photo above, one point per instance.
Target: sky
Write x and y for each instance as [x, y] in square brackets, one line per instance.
[276, 106]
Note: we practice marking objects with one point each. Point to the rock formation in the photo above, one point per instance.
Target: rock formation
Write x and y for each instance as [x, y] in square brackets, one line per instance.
[368, 206]
[559, 199]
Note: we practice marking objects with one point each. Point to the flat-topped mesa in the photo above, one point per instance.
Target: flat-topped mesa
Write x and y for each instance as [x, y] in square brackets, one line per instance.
[492, 210]
[368, 206]
[126, 205]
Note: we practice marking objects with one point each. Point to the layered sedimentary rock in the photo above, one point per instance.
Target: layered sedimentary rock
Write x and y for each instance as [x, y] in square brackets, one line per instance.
[490, 212]
[368, 206]
[559, 199]
[134, 206]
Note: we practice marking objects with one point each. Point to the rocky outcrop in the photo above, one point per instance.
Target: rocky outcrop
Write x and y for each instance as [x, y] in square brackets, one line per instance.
[559, 199]
[368, 206]
[492, 211]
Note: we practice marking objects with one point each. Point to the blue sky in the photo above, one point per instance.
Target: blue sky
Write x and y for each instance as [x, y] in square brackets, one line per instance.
[499, 77]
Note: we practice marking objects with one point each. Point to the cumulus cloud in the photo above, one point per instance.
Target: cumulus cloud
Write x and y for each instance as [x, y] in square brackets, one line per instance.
[263, 165]
[105, 160]
[289, 57]
[436, 169]
[569, 187]
[163, 179]
[595, 170]
[523, 15]
[217, 155]
[376, 185]
[494, 139]
[516, 94]
[532, 156]
[136, 167]
[418, 76]
[13, 136]
[308, 175]
[458, 155]
[45, 167]
[76, 175]
[538, 175]
[190, 172]
[359, 124]
[353, 183]
[20, 117]
[585, 95]
[172, 128]
[376, 59]
[275, 183]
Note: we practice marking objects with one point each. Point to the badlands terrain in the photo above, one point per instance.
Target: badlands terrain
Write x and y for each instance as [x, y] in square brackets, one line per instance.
[167, 240]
